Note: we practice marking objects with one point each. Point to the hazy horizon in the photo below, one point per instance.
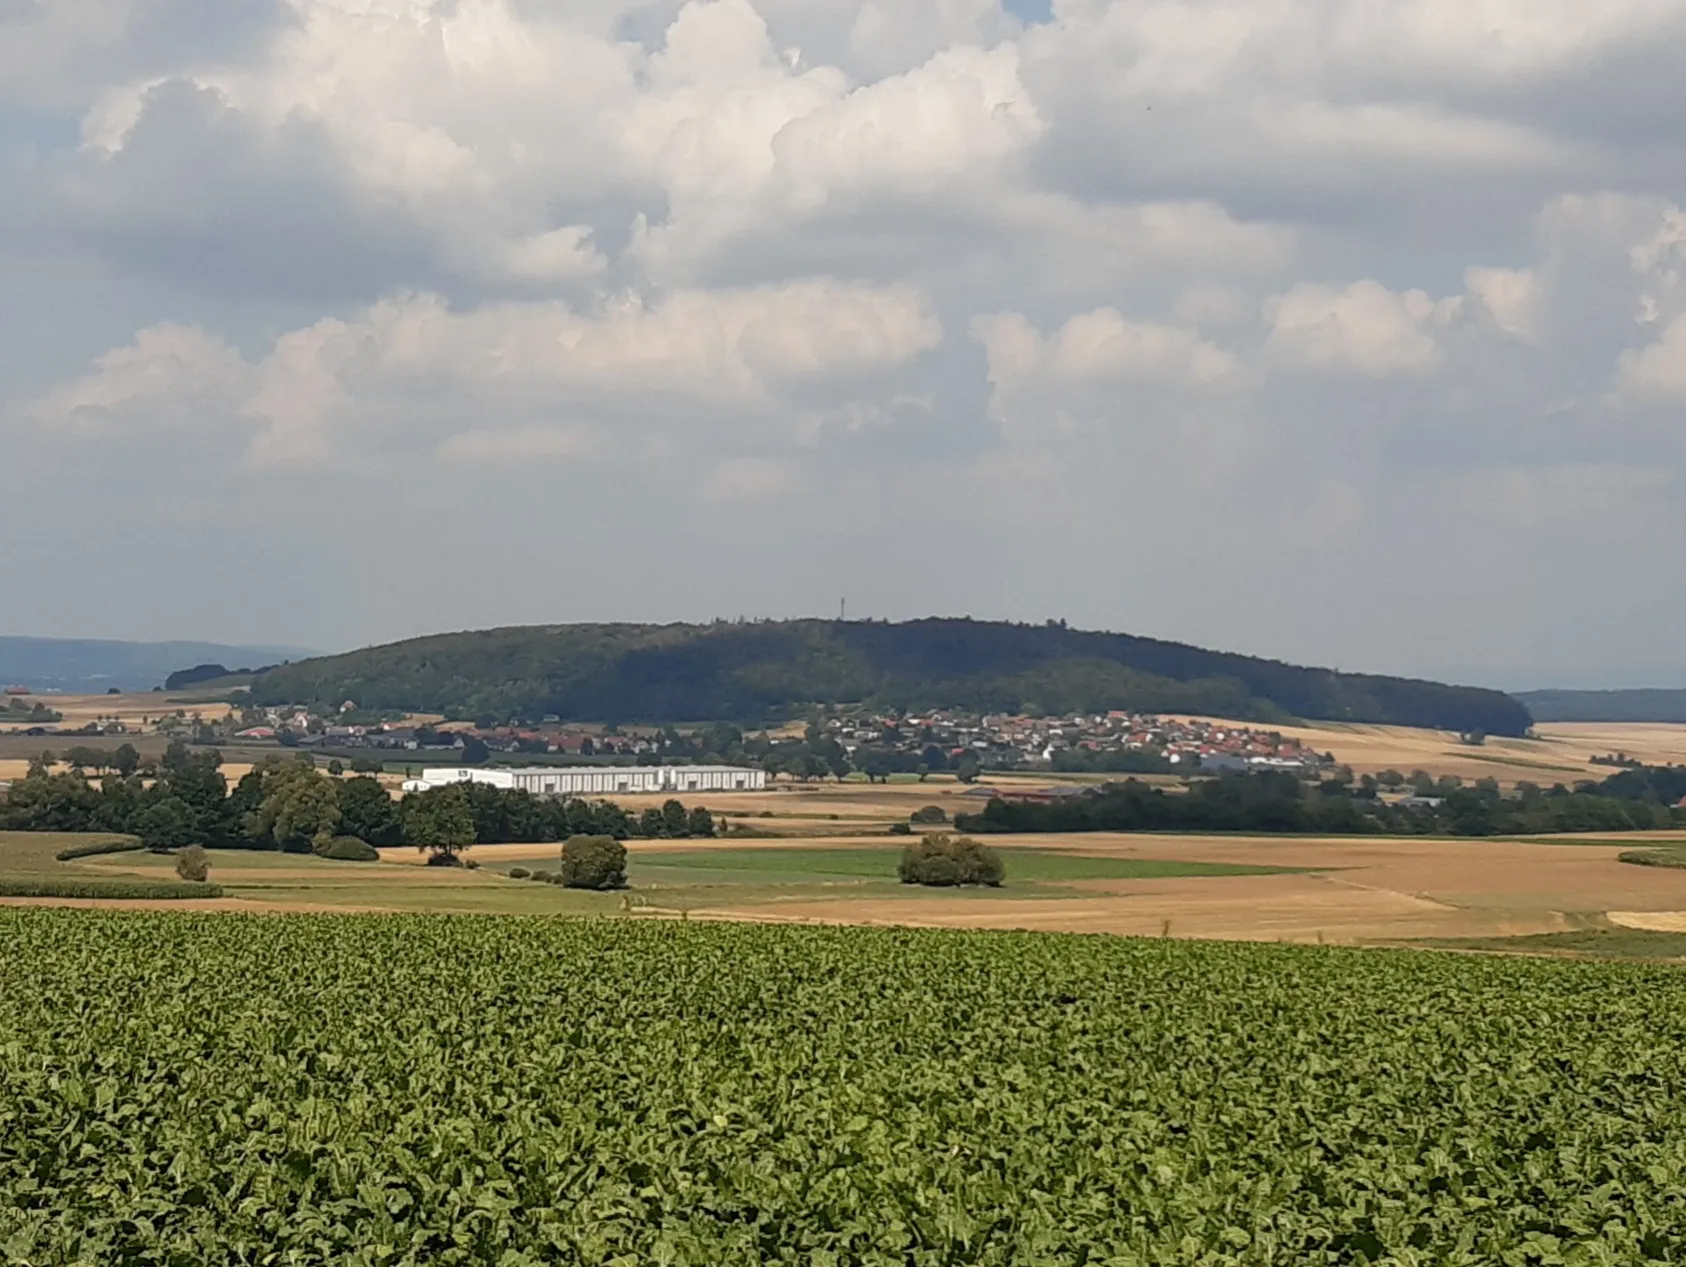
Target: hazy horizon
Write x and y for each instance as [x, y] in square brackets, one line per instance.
[1509, 680]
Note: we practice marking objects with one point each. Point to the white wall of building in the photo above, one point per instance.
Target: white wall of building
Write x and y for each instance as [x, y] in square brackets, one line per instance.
[604, 780]
[436, 776]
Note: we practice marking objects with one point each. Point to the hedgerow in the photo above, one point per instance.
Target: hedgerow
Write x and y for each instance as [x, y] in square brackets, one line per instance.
[161, 890]
[1653, 858]
[99, 847]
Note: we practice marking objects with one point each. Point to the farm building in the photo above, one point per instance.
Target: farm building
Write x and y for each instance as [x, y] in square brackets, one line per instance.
[599, 780]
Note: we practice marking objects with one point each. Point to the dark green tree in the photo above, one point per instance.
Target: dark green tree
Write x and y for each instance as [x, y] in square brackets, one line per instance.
[675, 822]
[441, 822]
[166, 824]
[368, 812]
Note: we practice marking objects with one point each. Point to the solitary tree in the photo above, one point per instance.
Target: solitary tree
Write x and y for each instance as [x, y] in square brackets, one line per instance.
[440, 822]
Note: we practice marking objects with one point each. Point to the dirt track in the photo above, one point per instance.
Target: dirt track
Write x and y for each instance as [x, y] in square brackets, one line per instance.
[191, 904]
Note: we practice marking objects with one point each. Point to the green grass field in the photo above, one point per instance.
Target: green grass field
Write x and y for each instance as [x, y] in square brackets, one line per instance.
[29, 854]
[1597, 942]
[29, 867]
[341, 1089]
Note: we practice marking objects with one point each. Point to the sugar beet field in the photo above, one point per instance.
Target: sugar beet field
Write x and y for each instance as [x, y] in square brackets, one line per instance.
[192, 1090]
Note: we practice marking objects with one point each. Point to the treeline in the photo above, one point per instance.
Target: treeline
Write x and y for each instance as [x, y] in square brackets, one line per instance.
[1126, 761]
[1273, 802]
[290, 805]
[759, 671]
[1644, 705]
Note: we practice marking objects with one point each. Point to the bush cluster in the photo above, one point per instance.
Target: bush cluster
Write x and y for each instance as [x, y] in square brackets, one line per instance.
[193, 864]
[594, 862]
[519, 873]
[944, 861]
[929, 814]
[346, 849]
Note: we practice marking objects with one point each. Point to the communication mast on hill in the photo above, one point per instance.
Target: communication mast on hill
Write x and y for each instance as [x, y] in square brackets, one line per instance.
[842, 610]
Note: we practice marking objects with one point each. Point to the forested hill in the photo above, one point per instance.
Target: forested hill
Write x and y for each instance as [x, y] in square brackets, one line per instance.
[88, 665]
[758, 671]
[1611, 706]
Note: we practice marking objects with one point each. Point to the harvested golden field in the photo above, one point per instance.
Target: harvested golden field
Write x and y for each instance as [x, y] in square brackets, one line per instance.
[1338, 890]
[1353, 891]
[1562, 753]
[1335, 890]
[137, 710]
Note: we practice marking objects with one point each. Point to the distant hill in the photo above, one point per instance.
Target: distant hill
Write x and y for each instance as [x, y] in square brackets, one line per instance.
[1653, 705]
[754, 672]
[82, 666]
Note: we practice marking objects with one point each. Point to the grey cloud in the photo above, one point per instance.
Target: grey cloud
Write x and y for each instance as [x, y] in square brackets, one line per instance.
[58, 55]
[201, 197]
[1285, 328]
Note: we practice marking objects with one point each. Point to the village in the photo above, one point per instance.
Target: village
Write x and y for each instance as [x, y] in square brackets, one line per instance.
[1120, 741]
[835, 740]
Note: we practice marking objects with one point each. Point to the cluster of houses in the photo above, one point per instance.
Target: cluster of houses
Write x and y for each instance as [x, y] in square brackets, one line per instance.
[994, 741]
[299, 727]
[1013, 740]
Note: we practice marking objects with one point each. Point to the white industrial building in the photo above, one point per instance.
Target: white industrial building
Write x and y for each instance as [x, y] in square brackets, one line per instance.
[550, 780]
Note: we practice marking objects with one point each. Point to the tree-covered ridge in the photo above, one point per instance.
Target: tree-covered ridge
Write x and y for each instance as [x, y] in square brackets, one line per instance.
[1646, 705]
[755, 671]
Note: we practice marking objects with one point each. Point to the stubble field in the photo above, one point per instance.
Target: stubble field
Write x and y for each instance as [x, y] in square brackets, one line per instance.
[1353, 891]
[1562, 752]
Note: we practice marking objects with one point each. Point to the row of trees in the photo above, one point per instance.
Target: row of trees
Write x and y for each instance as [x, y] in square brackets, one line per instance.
[287, 804]
[1273, 802]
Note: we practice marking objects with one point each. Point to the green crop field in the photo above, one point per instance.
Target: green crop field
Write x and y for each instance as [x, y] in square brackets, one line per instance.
[192, 1089]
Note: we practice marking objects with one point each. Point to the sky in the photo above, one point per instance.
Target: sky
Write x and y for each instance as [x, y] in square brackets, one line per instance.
[1349, 332]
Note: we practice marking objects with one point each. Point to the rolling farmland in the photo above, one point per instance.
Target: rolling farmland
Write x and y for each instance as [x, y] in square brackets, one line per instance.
[209, 1090]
